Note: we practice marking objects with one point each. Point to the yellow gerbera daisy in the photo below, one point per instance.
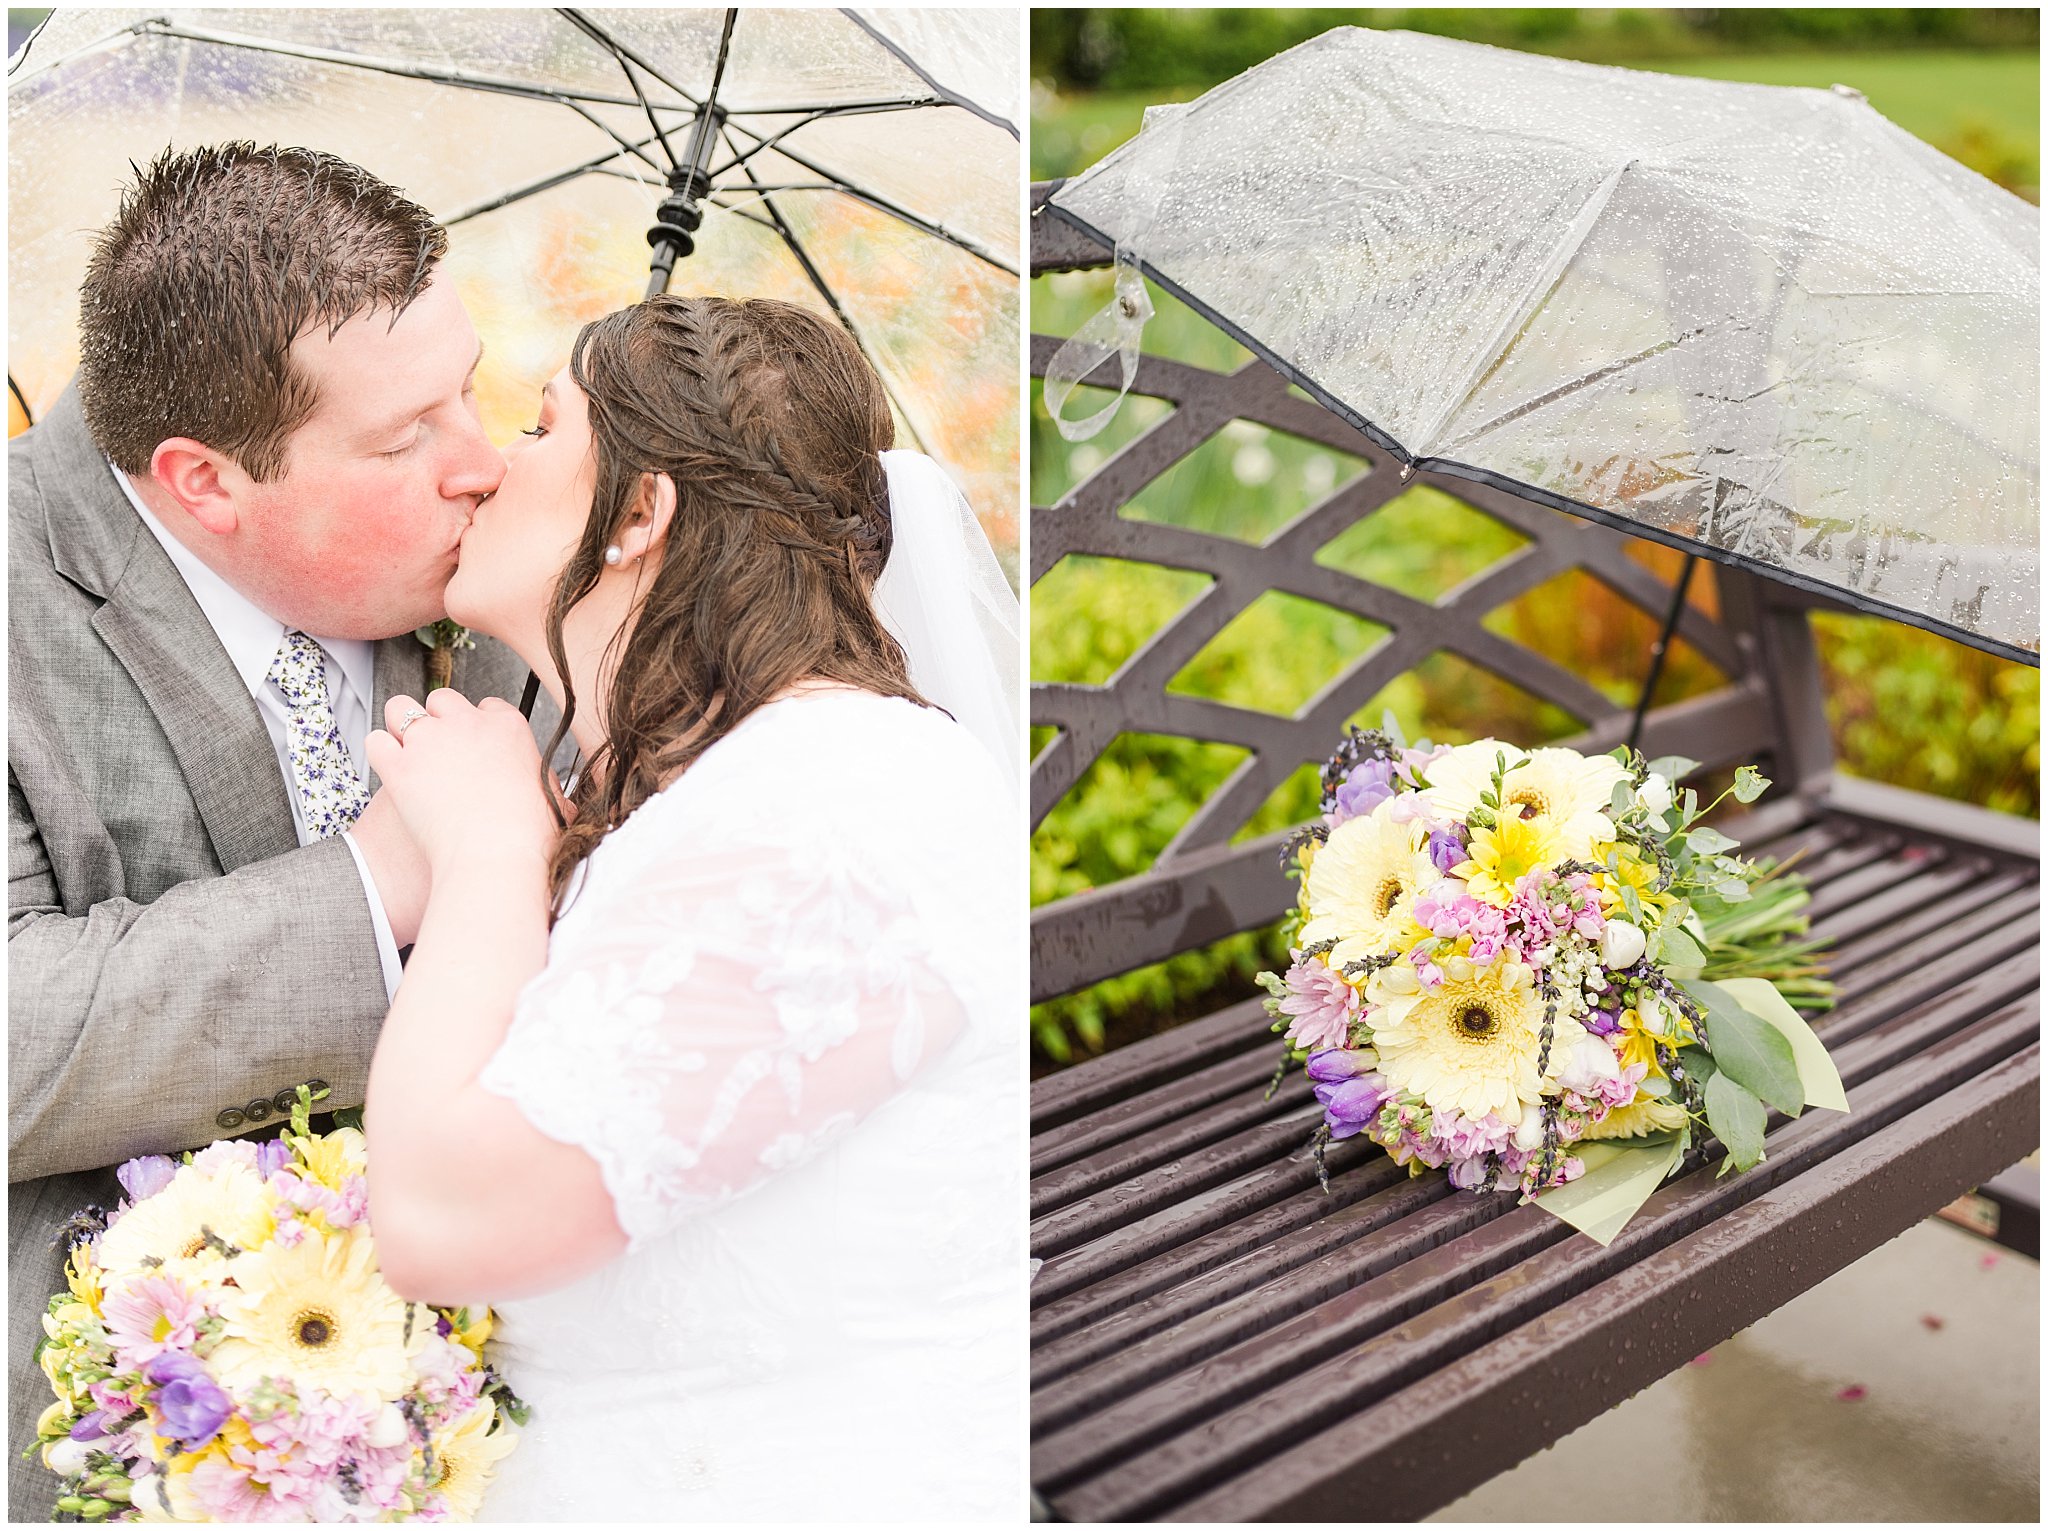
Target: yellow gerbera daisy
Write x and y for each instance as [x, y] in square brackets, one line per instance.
[333, 1156]
[1454, 782]
[1635, 872]
[1645, 1114]
[1565, 791]
[465, 1458]
[1503, 855]
[1361, 890]
[319, 1313]
[1471, 1046]
[172, 1225]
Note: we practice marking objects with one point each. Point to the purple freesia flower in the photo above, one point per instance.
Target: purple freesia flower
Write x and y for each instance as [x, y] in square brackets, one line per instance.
[144, 1177]
[1369, 784]
[190, 1403]
[1350, 1100]
[272, 1155]
[1335, 1064]
[1447, 848]
[1602, 1023]
[91, 1428]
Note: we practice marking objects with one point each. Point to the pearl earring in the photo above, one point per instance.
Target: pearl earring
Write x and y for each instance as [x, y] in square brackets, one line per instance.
[614, 555]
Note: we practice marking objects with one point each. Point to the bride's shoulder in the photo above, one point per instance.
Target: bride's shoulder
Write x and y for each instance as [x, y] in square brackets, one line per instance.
[832, 752]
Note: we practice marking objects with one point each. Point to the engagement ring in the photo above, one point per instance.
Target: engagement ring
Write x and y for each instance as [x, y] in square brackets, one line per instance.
[407, 721]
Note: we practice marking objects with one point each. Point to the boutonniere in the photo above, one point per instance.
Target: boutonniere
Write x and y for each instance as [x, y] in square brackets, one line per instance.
[442, 639]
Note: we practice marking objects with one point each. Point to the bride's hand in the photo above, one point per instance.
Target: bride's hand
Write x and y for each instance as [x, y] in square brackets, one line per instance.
[465, 779]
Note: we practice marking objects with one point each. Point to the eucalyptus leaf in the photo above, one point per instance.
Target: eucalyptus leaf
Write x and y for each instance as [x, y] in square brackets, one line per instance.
[1698, 1064]
[1818, 1077]
[1677, 949]
[1750, 784]
[1707, 840]
[1737, 1118]
[1732, 890]
[1674, 768]
[1624, 798]
[1391, 727]
[1748, 1048]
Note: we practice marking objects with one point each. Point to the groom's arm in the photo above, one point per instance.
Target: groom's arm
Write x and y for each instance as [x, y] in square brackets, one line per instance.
[132, 1027]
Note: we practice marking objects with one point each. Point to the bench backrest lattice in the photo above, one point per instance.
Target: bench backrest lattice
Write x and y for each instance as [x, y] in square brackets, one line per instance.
[1202, 887]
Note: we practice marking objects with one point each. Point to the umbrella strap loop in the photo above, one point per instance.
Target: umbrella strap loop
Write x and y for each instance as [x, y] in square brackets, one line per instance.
[1114, 331]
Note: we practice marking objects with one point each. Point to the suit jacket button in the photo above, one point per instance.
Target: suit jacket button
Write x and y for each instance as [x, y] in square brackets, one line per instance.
[284, 1100]
[316, 1085]
[229, 1119]
[257, 1110]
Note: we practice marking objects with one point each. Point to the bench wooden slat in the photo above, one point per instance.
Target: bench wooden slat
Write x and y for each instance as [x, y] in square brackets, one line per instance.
[1297, 1373]
[1516, 1393]
[1178, 1349]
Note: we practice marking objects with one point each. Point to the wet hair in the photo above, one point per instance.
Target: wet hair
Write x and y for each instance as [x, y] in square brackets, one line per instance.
[768, 421]
[218, 259]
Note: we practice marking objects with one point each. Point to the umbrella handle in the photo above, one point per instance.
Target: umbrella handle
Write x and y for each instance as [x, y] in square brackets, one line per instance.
[1658, 649]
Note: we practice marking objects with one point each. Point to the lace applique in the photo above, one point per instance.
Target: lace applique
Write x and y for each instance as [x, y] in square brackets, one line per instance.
[726, 996]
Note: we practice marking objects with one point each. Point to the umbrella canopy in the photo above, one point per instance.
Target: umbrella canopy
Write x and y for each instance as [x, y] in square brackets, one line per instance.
[1760, 324]
[863, 162]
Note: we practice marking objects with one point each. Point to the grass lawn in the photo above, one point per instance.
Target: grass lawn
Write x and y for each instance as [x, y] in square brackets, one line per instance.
[1983, 108]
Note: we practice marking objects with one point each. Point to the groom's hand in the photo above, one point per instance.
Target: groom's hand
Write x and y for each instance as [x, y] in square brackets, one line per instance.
[465, 778]
[396, 866]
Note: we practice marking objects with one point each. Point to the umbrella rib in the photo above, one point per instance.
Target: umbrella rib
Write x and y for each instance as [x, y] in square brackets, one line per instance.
[604, 40]
[462, 79]
[847, 187]
[817, 278]
[534, 188]
[953, 98]
[851, 109]
[624, 53]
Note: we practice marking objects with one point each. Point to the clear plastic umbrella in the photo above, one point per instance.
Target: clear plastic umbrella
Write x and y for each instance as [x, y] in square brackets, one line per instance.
[1759, 324]
[864, 162]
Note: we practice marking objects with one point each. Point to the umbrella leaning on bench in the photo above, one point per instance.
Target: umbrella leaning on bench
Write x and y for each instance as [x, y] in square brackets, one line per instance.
[1216, 1338]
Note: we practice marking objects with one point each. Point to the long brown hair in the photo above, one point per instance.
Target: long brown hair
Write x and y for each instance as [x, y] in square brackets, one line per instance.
[768, 420]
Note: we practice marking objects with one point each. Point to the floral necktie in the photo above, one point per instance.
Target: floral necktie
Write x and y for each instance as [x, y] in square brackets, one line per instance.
[331, 794]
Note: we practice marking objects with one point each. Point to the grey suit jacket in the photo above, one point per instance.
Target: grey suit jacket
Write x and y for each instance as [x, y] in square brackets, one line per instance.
[175, 959]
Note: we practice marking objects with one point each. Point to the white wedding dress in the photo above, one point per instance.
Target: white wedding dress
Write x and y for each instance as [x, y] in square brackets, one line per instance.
[785, 1014]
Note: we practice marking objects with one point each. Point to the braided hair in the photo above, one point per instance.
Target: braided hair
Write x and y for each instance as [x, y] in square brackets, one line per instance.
[768, 420]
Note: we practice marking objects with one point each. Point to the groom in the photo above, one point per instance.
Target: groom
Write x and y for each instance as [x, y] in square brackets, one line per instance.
[221, 540]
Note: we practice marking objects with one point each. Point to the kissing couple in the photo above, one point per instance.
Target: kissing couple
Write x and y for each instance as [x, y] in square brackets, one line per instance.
[700, 1059]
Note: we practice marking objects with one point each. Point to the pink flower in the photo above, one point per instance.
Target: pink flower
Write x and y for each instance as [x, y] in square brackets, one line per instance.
[149, 1315]
[1468, 1137]
[225, 1151]
[1322, 1005]
[226, 1492]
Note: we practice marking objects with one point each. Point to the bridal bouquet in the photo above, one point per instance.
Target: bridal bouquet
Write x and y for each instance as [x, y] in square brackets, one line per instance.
[227, 1351]
[1498, 969]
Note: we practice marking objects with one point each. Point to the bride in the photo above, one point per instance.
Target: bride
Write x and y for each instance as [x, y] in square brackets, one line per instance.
[709, 1076]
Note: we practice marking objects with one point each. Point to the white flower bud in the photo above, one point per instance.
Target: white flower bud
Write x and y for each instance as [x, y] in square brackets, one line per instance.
[389, 1429]
[66, 1457]
[1622, 944]
[1655, 793]
[1529, 1135]
[1458, 969]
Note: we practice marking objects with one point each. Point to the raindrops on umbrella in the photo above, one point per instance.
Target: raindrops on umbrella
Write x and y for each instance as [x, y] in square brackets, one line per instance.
[1755, 323]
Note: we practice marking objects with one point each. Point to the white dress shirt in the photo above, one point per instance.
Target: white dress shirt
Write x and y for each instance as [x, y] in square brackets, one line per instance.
[252, 638]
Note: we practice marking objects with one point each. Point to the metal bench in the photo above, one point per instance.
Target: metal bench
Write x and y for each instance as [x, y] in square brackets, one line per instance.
[1214, 1336]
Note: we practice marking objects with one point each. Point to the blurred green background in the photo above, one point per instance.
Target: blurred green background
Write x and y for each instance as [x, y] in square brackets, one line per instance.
[1905, 707]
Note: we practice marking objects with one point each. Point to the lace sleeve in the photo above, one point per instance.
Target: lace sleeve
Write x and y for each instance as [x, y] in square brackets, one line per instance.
[711, 1016]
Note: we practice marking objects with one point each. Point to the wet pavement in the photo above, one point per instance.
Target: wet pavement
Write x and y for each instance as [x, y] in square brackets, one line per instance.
[1904, 1388]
